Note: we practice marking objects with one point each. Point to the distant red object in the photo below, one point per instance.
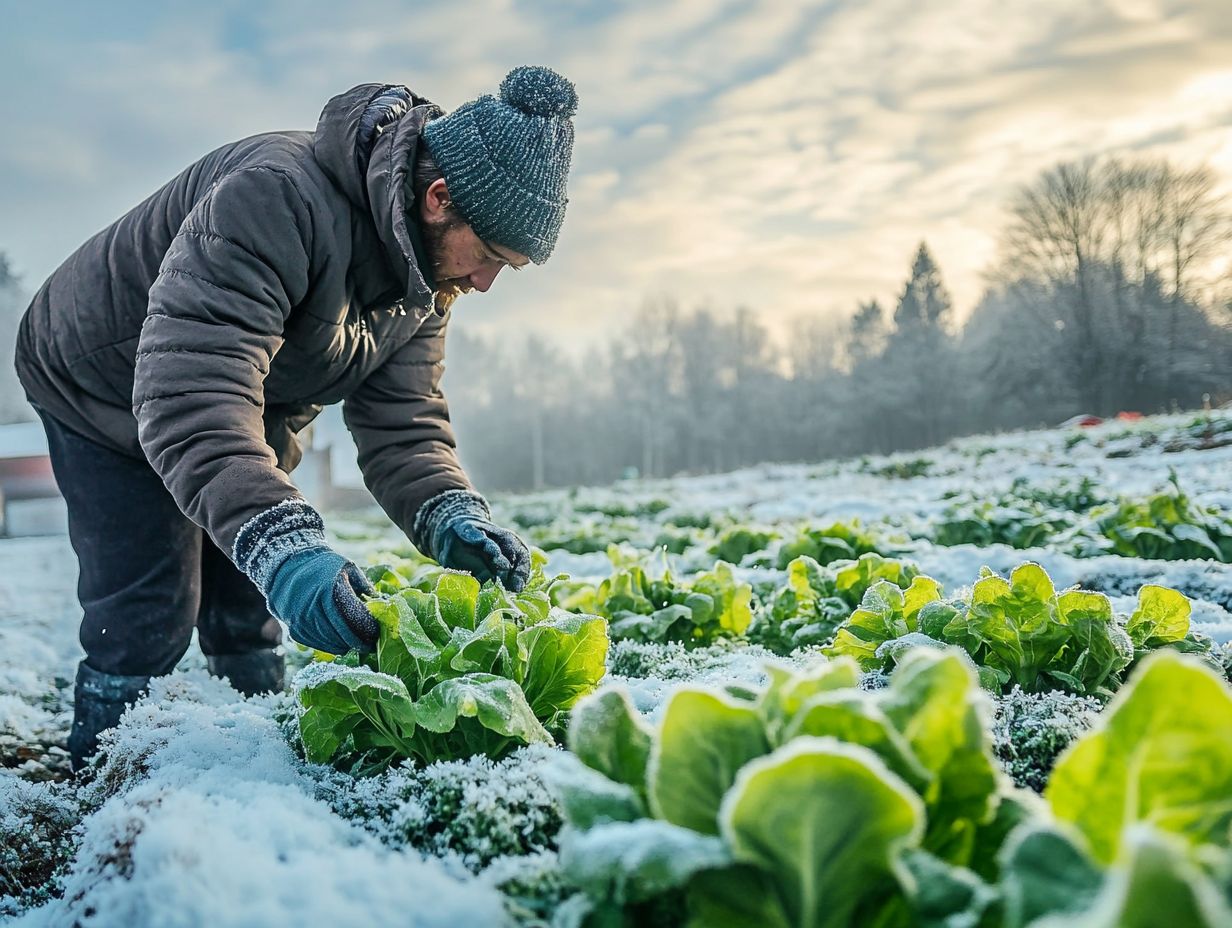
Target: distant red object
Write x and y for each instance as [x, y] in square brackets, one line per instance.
[1083, 422]
[27, 478]
[25, 468]
[1129, 416]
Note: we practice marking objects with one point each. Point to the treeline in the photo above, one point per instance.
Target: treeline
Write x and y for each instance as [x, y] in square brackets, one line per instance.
[1095, 306]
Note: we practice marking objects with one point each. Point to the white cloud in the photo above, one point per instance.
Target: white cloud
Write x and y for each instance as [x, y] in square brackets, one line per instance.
[786, 155]
[812, 184]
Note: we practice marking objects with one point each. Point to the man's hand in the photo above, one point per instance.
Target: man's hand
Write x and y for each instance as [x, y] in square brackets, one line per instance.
[307, 584]
[316, 592]
[485, 550]
[456, 529]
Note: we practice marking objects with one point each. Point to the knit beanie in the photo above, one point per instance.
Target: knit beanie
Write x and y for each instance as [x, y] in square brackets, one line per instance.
[506, 160]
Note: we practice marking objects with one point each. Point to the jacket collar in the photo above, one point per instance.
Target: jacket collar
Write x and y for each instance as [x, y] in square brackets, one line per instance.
[376, 183]
[389, 182]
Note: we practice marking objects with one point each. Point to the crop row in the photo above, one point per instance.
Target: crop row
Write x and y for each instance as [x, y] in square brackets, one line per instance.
[463, 669]
[829, 795]
[1072, 517]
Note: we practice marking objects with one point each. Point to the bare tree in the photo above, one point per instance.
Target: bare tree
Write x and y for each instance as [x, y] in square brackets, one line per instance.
[1195, 223]
[1097, 230]
[642, 369]
[1056, 233]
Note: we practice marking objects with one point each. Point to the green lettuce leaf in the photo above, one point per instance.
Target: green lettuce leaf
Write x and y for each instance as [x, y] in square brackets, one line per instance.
[704, 740]
[496, 704]
[406, 649]
[586, 796]
[942, 895]
[1098, 649]
[828, 822]
[1154, 884]
[739, 896]
[885, 613]
[1162, 617]
[854, 717]
[1017, 622]
[730, 607]
[655, 607]
[1161, 754]
[789, 689]
[458, 597]
[671, 623]
[736, 543]
[852, 581]
[609, 735]
[492, 647]
[626, 862]
[804, 612]
[1044, 872]
[355, 705]
[934, 699]
[565, 658]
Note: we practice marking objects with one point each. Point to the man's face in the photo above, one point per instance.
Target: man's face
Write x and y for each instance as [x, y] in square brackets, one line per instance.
[461, 260]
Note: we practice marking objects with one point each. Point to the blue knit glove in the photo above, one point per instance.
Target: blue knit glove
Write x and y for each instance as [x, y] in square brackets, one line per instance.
[316, 592]
[456, 529]
[307, 584]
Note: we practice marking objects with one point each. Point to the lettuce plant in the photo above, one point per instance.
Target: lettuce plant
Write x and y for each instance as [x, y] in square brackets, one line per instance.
[886, 612]
[1016, 523]
[677, 539]
[1049, 881]
[1081, 495]
[644, 602]
[1166, 526]
[739, 541]
[1161, 754]
[1019, 630]
[814, 803]
[816, 599]
[461, 670]
[582, 535]
[837, 542]
[1025, 516]
[1143, 828]
[807, 803]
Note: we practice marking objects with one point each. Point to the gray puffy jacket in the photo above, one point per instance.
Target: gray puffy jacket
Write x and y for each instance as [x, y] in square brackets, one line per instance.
[210, 323]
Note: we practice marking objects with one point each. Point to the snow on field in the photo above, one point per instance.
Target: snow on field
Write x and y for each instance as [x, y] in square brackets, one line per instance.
[988, 464]
[38, 642]
[205, 815]
[207, 818]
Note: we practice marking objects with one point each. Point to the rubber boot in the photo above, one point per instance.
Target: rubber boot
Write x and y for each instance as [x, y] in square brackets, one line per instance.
[99, 699]
[260, 671]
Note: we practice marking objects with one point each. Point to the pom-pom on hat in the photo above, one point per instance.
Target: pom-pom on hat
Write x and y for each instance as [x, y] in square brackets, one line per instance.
[506, 160]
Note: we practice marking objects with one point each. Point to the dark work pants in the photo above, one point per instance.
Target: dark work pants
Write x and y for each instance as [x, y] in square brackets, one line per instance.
[148, 574]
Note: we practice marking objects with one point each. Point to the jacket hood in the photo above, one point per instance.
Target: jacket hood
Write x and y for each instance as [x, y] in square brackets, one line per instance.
[375, 181]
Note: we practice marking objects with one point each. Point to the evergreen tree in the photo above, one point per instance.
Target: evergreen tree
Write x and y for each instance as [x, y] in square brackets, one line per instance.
[918, 360]
[925, 303]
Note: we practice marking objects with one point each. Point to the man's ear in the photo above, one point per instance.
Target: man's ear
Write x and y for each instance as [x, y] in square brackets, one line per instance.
[435, 201]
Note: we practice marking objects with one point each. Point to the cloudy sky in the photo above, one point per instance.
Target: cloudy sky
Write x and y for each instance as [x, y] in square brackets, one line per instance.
[785, 155]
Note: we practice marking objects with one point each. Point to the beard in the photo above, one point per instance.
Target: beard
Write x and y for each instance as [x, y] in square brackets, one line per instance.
[447, 289]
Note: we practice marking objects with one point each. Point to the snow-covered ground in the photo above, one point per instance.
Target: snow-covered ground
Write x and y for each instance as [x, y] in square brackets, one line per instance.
[204, 815]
